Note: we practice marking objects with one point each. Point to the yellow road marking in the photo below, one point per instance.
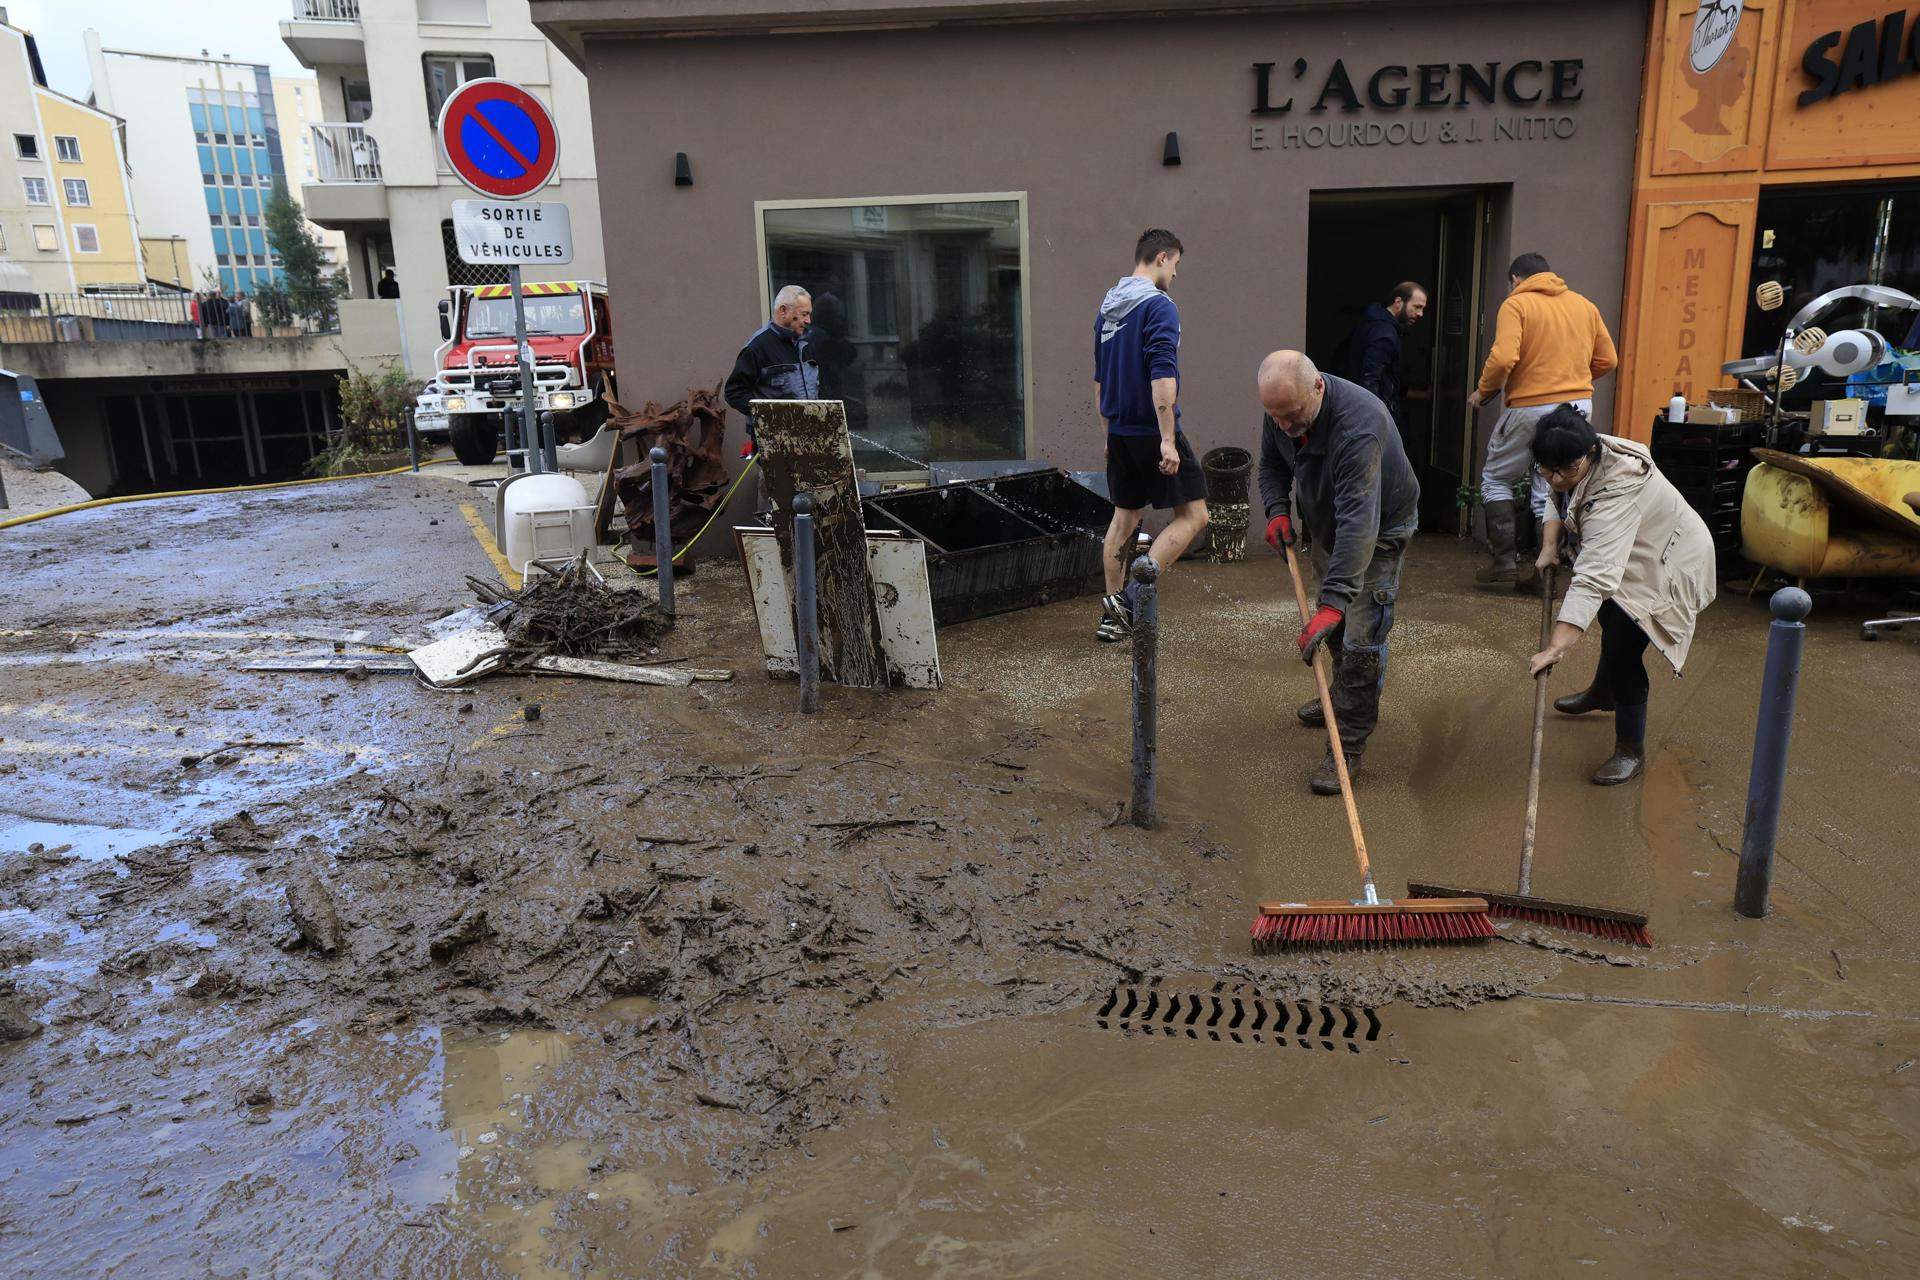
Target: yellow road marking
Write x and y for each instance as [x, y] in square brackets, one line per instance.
[500, 730]
[484, 536]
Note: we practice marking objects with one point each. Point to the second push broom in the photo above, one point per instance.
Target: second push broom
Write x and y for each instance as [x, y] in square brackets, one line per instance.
[1601, 922]
[1368, 920]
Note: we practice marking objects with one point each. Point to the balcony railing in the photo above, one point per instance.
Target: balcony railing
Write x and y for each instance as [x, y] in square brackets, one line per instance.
[133, 317]
[345, 153]
[326, 10]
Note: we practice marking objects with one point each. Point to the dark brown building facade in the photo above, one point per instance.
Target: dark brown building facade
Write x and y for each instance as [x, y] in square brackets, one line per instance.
[958, 183]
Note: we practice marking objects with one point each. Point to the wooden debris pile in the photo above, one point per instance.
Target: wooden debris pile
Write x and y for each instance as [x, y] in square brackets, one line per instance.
[574, 614]
[693, 432]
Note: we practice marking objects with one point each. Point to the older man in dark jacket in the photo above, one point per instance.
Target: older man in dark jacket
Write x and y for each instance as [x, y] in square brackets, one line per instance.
[1370, 356]
[1332, 467]
[778, 362]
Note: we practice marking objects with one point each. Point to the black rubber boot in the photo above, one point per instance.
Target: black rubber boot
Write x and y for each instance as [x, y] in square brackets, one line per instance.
[1629, 748]
[1311, 715]
[1505, 563]
[1589, 699]
[1326, 779]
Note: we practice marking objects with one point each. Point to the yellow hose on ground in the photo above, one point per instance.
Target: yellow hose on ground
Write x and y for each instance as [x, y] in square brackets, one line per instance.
[725, 498]
[91, 503]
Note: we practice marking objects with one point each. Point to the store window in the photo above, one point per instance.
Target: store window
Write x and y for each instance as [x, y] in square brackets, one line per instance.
[448, 71]
[26, 146]
[66, 147]
[36, 190]
[86, 238]
[45, 238]
[75, 190]
[919, 320]
[1813, 241]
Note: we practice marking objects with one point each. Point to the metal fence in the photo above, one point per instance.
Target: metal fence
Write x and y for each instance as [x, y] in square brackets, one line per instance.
[345, 153]
[102, 317]
[326, 10]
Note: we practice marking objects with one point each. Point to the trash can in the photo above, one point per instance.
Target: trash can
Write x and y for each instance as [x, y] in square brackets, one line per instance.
[1227, 470]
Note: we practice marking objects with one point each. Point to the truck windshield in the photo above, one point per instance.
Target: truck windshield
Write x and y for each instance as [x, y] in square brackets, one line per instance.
[557, 314]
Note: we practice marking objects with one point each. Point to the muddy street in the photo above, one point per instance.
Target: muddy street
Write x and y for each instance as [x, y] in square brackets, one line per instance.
[334, 974]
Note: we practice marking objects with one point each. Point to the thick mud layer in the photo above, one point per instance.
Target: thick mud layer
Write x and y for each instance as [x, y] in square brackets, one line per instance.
[339, 975]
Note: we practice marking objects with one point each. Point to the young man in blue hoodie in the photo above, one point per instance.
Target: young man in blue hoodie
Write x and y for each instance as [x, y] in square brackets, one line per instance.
[1136, 383]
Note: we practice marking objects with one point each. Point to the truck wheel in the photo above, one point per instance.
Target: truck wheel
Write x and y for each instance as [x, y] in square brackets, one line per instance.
[475, 437]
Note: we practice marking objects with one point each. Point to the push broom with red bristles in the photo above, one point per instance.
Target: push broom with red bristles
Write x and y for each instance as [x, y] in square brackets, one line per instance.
[1368, 920]
[1600, 922]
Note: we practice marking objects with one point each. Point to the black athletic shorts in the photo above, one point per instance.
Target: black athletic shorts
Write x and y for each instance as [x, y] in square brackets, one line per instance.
[1134, 479]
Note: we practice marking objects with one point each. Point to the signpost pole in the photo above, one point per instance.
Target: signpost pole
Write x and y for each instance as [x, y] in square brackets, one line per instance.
[529, 432]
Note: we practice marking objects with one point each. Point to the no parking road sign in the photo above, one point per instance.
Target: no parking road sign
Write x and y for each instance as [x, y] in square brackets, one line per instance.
[499, 139]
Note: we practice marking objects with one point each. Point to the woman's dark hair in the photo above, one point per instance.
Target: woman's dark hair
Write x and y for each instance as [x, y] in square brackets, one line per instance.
[1563, 438]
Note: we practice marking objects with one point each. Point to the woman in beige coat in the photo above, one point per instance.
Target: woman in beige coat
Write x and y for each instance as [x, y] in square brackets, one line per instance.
[1642, 566]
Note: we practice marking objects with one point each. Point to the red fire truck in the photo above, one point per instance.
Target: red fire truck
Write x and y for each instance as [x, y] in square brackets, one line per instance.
[569, 327]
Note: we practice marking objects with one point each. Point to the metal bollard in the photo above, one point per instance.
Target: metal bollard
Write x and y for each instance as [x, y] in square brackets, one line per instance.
[413, 443]
[1146, 679]
[1768, 780]
[550, 443]
[662, 528]
[806, 605]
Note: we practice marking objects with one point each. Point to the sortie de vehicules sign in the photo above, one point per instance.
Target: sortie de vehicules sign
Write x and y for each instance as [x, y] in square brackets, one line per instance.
[509, 233]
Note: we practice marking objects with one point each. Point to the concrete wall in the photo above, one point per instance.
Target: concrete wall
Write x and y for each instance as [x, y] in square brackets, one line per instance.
[192, 358]
[1075, 115]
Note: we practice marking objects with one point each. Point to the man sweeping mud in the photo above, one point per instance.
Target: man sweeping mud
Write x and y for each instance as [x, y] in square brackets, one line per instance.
[1330, 456]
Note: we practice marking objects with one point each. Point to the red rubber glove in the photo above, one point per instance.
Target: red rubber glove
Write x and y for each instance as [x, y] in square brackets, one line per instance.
[1318, 628]
[746, 447]
[1279, 530]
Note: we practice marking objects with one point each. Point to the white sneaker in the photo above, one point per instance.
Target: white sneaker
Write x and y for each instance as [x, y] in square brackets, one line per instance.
[1116, 619]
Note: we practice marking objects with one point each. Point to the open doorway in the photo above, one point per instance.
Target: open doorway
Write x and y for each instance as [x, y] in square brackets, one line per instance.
[1360, 244]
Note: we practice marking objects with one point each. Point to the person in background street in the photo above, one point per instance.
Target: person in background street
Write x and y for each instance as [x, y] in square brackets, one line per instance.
[194, 314]
[219, 315]
[778, 361]
[240, 312]
[1136, 388]
[1549, 346]
[1332, 468]
[388, 286]
[1643, 565]
[1372, 351]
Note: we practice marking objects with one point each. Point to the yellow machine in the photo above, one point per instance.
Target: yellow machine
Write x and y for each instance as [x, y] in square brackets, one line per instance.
[1832, 517]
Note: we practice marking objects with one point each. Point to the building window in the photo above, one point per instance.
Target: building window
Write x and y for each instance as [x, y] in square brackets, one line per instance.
[75, 190]
[1811, 241]
[66, 147]
[226, 179]
[45, 238]
[26, 146]
[86, 238]
[208, 179]
[447, 72]
[36, 190]
[3, 239]
[919, 308]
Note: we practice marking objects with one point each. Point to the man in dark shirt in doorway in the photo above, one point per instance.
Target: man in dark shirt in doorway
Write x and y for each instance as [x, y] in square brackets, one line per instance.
[1332, 469]
[778, 361]
[1372, 351]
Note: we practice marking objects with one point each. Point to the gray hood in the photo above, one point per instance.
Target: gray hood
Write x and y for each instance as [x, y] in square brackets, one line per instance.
[1126, 295]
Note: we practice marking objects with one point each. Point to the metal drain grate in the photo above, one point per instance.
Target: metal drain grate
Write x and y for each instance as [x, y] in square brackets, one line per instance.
[1232, 1017]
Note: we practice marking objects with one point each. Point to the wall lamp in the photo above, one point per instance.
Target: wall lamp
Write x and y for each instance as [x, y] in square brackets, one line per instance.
[682, 170]
[1170, 154]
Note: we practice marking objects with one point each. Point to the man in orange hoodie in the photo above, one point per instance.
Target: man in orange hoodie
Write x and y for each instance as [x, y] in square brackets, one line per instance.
[1549, 346]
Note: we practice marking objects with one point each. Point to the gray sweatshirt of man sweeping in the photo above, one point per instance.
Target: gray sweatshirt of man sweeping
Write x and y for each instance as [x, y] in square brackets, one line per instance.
[1346, 485]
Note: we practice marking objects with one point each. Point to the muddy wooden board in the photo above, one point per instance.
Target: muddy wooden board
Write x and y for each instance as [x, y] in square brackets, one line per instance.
[903, 601]
[804, 448]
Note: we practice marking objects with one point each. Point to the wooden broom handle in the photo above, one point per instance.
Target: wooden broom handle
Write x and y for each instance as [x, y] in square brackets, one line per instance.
[1333, 725]
[1539, 731]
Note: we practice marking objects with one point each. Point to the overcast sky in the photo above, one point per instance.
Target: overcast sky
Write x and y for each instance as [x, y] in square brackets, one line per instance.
[246, 30]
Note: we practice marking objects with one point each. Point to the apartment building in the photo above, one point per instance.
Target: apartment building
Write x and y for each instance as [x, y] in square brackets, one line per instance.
[204, 138]
[67, 220]
[385, 67]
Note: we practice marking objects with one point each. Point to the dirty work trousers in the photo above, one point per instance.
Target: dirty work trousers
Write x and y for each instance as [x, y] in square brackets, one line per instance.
[1358, 646]
[1510, 456]
[1623, 647]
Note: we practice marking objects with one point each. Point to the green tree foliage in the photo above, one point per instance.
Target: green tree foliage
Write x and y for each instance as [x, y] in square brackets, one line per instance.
[308, 291]
[373, 411]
